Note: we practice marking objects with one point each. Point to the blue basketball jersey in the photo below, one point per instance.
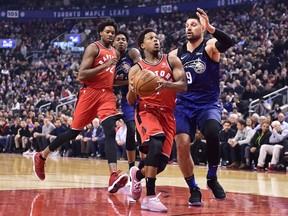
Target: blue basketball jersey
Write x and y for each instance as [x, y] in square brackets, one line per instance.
[122, 69]
[202, 75]
[200, 102]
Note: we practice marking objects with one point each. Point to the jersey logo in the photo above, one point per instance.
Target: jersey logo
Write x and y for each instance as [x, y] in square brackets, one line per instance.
[124, 67]
[198, 65]
[183, 57]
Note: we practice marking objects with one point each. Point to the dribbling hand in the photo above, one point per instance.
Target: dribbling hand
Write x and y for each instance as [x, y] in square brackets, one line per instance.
[161, 84]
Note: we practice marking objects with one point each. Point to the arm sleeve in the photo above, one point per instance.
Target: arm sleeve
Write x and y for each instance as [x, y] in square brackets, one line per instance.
[224, 41]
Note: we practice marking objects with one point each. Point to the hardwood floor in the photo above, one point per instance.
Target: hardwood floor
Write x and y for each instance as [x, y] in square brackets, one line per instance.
[79, 187]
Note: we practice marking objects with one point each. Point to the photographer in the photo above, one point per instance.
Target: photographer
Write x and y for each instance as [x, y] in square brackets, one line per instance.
[263, 108]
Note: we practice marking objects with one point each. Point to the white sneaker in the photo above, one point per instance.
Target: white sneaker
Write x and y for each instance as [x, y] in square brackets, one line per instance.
[152, 203]
[56, 154]
[136, 187]
[28, 152]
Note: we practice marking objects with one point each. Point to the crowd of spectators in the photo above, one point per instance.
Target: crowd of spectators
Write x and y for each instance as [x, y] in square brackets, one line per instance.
[80, 4]
[37, 73]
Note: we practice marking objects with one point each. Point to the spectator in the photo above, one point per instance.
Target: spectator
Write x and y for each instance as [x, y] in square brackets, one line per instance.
[59, 129]
[41, 140]
[121, 134]
[263, 108]
[279, 134]
[4, 134]
[260, 137]
[225, 134]
[97, 139]
[239, 143]
[281, 119]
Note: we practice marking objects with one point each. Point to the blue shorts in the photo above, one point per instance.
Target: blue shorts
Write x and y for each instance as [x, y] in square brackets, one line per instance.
[128, 111]
[189, 118]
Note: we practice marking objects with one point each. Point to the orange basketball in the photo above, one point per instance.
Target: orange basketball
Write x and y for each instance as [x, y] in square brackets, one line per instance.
[145, 83]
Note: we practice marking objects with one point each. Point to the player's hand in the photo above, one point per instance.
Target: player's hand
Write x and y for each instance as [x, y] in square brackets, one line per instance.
[253, 149]
[203, 17]
[112, 61]
[131, 84]
[161, 84]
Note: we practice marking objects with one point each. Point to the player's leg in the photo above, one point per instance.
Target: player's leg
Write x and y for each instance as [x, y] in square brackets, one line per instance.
[130, 143]
[84, 113]
[108, 114]
[116, 180]
[154, 160]
[185, 132]
[209, 123]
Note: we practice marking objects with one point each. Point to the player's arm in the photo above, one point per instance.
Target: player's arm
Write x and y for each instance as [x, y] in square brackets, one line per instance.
[135, 55]
[221, 41]
[173, 52]
[131, 95]
[179, 84]
[90, 53]
[120, 82]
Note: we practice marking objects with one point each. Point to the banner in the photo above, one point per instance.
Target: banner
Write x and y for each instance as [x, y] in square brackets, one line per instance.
[118, 12]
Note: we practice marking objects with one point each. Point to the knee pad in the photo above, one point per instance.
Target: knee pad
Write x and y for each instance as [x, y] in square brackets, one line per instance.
[211, 129]
[162, 163]
[154, 152]
[130, 139]
[72, 134]
[109, 127]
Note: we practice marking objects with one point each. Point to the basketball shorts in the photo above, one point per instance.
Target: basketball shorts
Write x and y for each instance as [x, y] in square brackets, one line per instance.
[188, 118]
[155, 122]
[128, 111]
[92, 103]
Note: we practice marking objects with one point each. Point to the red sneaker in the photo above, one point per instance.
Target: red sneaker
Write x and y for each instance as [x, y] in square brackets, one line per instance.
[117, 181]
[272, 167]
[38, 166]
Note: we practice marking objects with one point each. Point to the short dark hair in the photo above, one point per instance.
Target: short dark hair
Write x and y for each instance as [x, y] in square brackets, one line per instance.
[108, 22]
[227, 121]
[123, 33]
[242, 122]
[142, 34]
[192, 16]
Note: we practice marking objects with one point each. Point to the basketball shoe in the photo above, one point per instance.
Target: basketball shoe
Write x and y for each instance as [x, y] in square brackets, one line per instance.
[195, 197]
[153, 203]
[216, 188]
[38, 165]
[136, 187]
[117, 181]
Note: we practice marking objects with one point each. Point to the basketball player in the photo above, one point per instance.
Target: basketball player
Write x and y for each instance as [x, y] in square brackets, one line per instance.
[154, 116]
[97, 73]
[199, 106]
[127, 59]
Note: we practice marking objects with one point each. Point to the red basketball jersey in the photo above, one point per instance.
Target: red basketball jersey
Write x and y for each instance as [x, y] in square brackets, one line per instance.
[105, 78]
[166, 97]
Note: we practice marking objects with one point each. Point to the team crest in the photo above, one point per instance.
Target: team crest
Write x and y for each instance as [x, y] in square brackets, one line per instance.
[198, 65]
[124, 68]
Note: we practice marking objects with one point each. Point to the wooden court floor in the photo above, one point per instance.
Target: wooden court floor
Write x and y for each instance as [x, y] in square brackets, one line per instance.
[79, 187]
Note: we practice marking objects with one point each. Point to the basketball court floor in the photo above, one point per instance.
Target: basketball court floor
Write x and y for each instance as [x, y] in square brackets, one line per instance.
[79, 187]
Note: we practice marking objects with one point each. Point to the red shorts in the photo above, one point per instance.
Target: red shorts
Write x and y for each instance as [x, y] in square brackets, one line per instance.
[153, 122]
[92, 103]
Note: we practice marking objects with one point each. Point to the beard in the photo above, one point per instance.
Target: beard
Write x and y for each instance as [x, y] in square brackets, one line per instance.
[193, 38]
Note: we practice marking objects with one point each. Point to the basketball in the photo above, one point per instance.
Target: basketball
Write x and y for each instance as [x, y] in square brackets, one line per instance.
[145, 83]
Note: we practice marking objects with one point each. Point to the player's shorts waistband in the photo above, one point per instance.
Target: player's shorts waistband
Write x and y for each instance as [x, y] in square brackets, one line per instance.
[141, 106]
[97, 89]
